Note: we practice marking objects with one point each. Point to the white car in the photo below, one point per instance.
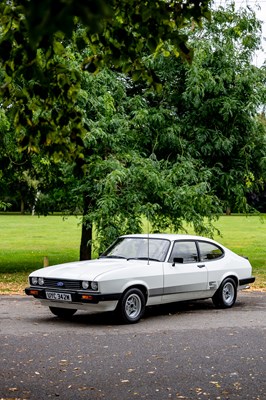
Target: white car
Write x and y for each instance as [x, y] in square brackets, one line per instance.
[142, 270]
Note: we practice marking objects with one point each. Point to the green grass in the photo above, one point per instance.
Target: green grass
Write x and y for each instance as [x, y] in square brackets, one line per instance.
[246, 236]
[26, 240]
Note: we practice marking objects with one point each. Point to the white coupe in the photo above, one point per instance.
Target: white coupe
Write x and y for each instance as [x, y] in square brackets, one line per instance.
[142, 270]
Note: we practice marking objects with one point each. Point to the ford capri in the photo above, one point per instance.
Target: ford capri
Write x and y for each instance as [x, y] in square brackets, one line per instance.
[143, 270]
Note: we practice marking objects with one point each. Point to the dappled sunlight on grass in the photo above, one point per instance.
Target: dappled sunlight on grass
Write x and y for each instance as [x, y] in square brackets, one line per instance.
[13, 283]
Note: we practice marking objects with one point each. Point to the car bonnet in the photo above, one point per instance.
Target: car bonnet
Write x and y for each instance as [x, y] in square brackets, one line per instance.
[81, 270]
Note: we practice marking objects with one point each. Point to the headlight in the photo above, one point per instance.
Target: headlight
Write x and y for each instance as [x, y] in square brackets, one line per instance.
[34, 281]
[89, 285]
[94, 285]
[40, 281]
[85, 284]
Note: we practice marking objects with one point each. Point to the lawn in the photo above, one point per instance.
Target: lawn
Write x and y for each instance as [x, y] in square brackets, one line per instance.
[25, 240]
[246, 236]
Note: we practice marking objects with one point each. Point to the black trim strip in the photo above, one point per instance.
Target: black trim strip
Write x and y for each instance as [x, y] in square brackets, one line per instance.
[246, 281]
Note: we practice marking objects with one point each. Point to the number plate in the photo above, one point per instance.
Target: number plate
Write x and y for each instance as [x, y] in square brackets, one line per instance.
[58, 296]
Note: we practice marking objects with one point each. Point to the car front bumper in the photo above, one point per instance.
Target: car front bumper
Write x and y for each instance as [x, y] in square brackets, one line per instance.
[82, 300]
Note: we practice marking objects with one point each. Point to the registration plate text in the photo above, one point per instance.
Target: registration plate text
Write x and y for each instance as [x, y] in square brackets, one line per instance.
[58, 296]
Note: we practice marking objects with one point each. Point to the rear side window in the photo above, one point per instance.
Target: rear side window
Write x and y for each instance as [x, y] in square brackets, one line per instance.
[184, 251]
[209, 251]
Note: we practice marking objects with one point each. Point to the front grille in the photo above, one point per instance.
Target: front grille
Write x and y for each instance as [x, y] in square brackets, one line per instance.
[62, 284]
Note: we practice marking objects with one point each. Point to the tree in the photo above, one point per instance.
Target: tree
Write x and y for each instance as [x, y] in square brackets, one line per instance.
[216, 101]
[159, 154]
[121, 180]
[34, 54]
[225, 94]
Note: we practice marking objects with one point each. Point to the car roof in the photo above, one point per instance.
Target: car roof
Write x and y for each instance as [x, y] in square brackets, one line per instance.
[168, 236]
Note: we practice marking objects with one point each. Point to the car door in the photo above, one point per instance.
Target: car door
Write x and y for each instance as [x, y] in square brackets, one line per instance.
[185, 277]
[212, 256]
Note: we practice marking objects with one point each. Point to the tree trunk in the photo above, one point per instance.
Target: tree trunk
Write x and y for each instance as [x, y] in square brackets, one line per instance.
[85, 252]
[22, 206]
[85, 245]
[228, 210]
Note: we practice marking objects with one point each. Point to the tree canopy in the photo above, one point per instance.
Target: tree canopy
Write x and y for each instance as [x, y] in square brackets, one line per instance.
[112, 28]
[114, 147]
[34, 54]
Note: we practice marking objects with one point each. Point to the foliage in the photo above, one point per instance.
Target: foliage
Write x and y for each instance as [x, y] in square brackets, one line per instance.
[176, 155]
[40, 82]
[124, 26]
[22, 176]
[3, 205]
[120, 179]
[216, 101]
[226, 92]
[167, 194]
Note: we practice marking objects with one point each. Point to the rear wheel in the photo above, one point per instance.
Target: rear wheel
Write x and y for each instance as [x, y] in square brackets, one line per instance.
[64, 313]
[132, 306]
[225, 296]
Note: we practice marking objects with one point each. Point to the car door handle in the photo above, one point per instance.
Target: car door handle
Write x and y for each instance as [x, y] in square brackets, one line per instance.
[201, 265]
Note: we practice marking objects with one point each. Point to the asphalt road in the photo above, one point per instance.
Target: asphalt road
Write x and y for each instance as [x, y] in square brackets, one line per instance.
[183, 351]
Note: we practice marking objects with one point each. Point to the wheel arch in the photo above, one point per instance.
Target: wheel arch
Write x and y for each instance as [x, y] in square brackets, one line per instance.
[140, 286]
[226, 294]
[231, 276]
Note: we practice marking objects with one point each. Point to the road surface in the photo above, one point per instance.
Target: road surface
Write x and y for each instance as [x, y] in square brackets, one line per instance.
[182, 351]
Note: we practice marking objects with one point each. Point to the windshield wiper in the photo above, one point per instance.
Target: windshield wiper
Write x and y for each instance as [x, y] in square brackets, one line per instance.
[142, 258]
[112, 257]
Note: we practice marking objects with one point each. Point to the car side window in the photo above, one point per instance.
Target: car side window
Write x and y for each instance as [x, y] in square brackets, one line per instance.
[209, 251]
[185, 251]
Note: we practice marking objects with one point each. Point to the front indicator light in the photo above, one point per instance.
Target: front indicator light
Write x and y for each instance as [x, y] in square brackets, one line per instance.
[86, 297]
[34, 292]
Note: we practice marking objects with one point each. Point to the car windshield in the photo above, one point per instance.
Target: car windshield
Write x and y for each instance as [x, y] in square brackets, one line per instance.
[138, 249]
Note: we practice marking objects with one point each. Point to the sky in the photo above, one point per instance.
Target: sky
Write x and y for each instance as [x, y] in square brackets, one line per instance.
[259, 6]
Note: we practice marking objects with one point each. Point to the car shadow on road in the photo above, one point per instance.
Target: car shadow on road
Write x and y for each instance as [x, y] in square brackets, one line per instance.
[109, 318]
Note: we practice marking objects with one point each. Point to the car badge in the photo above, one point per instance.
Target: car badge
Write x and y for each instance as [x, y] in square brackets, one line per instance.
[60, 284]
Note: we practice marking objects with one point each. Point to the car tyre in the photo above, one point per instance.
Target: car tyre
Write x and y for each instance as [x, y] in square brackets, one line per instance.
[225, 296]
[131, 307]
[64, 313]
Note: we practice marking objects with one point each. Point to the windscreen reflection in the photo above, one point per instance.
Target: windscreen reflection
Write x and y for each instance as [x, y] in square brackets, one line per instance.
[138, 248]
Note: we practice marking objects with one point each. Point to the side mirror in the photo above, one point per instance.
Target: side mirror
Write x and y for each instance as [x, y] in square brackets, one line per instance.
[177, 260]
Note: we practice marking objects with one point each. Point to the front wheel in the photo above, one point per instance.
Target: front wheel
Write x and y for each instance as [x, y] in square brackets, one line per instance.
[64, 313]
[225, 296]
[132, 306]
